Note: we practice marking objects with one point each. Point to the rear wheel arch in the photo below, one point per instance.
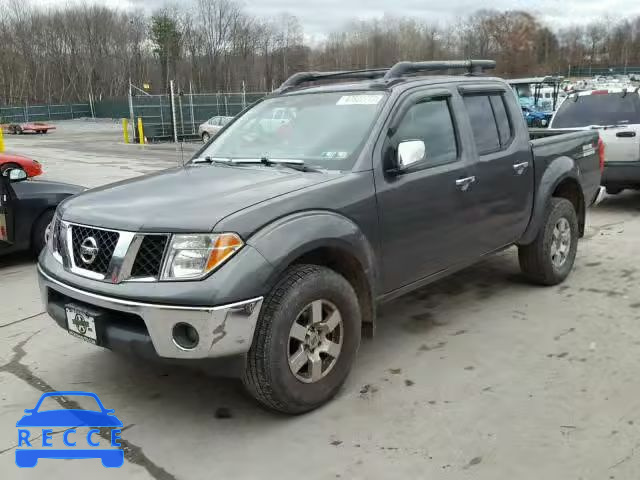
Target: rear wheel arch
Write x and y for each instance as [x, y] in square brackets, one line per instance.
[570, 189]
[560, 179]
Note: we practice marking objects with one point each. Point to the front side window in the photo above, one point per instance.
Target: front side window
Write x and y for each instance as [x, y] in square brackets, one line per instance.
[325, 130]
[431, 122]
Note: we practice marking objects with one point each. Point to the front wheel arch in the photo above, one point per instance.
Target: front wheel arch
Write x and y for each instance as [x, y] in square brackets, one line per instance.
[327, 239]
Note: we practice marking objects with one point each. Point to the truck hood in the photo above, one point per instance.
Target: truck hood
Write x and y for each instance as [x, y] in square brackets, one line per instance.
[190, 199]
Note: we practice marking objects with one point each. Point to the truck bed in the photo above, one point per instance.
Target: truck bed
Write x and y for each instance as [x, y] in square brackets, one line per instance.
[579, 145]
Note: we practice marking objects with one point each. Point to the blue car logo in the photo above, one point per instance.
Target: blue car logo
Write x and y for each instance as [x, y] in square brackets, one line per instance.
[71, 419]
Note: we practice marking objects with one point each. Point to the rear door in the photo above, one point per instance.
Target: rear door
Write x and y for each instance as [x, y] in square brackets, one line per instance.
[504, 186]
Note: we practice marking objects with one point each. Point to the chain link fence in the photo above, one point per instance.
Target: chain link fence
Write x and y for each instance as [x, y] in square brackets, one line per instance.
[43, 113]
[191, 110]
[587, 71]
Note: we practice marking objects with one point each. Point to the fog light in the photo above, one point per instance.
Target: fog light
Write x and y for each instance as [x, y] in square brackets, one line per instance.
[185, 336]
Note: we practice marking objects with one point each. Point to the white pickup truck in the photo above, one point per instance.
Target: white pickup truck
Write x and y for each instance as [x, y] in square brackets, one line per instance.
[615, 113]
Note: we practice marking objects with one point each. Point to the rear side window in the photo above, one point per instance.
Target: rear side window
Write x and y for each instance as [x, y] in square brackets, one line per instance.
[502, 119]
[431, 122]
[598, 109]
[483, 123]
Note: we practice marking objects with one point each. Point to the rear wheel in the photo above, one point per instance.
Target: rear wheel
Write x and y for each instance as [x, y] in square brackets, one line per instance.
[549, 259]
[305, 340]
[41, 231]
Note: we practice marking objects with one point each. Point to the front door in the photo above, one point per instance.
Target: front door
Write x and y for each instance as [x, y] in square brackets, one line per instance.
[6, 212]
[425, 212]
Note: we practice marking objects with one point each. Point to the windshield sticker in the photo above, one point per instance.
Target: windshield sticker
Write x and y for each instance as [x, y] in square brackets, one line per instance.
[339, 155]
[359, 100]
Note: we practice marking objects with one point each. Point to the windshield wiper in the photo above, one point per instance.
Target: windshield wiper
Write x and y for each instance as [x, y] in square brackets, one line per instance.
[211, 160]
[291, 163]
[604, 127]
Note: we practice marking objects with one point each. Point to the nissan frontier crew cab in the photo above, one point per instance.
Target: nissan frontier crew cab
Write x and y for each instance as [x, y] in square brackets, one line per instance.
[277, 244]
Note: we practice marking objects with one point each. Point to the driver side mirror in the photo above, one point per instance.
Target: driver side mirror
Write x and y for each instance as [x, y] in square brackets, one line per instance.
[16, 175]
[410, 152]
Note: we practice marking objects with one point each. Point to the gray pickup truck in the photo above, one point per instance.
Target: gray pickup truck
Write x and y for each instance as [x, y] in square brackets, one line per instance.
[276, 245]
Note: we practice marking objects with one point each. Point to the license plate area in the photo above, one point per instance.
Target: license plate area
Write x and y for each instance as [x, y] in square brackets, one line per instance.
[81, 322]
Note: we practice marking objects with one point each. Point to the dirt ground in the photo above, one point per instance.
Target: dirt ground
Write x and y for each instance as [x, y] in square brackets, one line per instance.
[479, 376]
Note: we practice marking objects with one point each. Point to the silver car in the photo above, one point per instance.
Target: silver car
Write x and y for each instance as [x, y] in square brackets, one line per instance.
[212, 126]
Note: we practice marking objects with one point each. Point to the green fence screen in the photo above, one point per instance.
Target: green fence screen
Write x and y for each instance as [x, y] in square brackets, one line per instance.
[43, 113]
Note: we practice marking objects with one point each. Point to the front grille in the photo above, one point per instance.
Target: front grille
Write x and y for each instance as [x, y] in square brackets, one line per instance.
[106, 241]
[149, 259]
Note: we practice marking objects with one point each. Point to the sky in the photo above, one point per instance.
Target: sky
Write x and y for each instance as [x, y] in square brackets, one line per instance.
[319, 17]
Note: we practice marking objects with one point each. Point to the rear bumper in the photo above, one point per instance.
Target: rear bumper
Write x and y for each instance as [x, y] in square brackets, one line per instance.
[147, 329]
[621, 174]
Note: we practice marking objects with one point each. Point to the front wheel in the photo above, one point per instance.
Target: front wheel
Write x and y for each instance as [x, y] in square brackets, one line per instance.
[549, 259]
[205, 137]
[41, 231]
[305, 341]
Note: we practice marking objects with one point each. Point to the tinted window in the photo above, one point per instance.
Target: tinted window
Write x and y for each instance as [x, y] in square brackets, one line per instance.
[431, 122]
[598, 109]
[502, 119]
[483, 123]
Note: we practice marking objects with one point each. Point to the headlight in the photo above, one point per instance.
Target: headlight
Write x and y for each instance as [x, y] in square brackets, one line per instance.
[192, 257]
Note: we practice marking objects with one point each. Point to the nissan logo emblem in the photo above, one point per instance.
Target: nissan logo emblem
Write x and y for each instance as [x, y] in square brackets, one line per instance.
[89, 250]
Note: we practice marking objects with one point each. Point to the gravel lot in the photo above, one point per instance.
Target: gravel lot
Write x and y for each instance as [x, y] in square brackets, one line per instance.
[479, 376]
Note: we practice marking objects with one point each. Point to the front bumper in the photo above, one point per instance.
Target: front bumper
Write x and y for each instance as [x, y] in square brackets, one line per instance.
[147, 328]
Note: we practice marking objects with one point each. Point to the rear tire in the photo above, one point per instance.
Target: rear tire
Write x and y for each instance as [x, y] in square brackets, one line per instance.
[40, 232]
[269, 372]
[549, 259]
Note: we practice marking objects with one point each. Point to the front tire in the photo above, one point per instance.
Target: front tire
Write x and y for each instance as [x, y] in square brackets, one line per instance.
[613, 190]
[205, 137]
[40, 232]
[549, 259]
[305, 341]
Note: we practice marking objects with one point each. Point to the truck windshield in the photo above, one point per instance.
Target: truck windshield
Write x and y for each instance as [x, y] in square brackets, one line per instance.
[598, 109]
[325, 130]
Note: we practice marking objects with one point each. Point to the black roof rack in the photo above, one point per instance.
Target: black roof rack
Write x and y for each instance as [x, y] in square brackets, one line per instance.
[396, 72]
[401, 69]
[298, 79]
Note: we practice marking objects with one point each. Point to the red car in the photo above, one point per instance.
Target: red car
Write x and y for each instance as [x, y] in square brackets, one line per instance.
[32, 127]
[31, 167]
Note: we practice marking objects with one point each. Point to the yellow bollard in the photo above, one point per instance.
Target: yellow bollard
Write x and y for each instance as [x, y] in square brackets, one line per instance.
[140, 131]
[1, 140]
[125, 130]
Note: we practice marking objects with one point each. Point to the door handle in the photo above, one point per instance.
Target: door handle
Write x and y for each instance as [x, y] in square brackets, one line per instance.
[520, 167]
[463, 183]
[627, 134]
